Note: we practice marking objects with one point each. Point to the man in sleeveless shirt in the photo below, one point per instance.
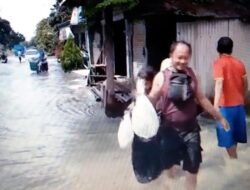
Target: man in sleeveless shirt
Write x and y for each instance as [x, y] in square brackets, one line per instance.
[180, 130]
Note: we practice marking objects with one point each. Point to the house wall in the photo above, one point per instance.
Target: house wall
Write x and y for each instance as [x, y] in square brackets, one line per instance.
[239, 32]
[203, 36]
[139, 46]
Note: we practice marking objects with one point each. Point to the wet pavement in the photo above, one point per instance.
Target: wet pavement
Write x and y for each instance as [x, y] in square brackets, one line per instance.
[54, 136]
[43, 118]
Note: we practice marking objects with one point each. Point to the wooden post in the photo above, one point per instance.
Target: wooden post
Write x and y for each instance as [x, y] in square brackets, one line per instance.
[109, 56]
[109, 60]
[88, 47]
[129, 60]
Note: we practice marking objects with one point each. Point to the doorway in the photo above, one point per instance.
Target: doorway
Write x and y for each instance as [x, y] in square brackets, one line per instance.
[160, 33]
[120, 48]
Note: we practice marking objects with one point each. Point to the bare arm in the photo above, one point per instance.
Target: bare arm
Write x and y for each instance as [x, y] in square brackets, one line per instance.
[245, 84]
[206, 104]
[218, 91]
[155, 92]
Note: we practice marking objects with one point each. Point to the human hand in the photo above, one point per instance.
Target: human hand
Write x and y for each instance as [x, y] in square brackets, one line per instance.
[217, 108]
[225, 124]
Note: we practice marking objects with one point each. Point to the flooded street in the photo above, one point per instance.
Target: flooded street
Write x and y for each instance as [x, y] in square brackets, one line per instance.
[54, 136]
[41, 118]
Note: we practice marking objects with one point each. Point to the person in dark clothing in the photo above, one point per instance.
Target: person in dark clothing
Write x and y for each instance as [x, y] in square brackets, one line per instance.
[19, 54]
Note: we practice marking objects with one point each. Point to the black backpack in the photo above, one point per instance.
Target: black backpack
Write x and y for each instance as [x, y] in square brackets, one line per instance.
[180, 91]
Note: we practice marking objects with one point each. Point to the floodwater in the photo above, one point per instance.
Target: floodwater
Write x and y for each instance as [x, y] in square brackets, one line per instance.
[39, 115]
[54, 136]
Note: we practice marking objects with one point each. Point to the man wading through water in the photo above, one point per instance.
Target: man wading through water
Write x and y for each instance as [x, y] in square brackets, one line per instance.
[230, 87]
[180, 132]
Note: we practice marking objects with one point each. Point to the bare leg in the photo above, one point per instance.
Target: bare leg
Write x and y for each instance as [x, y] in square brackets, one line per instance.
[232, 152]
[191, 181]
[171, 174]
[168, 176]
[173, 171]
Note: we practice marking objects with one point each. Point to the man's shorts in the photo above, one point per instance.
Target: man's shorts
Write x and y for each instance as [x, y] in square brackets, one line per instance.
[181, 146]
[236, 117]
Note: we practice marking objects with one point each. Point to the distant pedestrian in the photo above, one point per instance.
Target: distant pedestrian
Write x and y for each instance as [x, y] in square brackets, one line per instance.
[230, 87]
[19, 54]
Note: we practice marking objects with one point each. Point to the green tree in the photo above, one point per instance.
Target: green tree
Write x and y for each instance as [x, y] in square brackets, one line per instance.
[8, 37]
[45, 36]
[92, 7]
[71, 57]
[15, 38]
[32, 42]
[59, 14]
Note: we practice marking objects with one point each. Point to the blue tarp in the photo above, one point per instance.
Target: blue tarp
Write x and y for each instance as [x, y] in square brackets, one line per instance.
[17, 48]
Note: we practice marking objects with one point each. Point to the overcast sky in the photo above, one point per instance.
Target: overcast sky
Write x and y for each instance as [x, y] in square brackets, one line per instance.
[25, 14]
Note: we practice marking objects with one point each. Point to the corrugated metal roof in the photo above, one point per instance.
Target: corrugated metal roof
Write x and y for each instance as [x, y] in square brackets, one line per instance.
[213, 9]
[218, 8]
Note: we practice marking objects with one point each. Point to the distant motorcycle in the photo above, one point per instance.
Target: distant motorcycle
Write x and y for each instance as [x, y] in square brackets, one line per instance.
[44, 65]
[4, 58]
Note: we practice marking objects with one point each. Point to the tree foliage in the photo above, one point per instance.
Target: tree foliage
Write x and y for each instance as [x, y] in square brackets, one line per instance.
[123, 3]
[71, 57]
[94, 6]
[8, 37]
[32, 42]
[59, 14]
[45, 36]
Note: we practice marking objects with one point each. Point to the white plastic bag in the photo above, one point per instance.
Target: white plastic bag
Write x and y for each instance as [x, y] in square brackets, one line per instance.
[145, 122]
[125, 131]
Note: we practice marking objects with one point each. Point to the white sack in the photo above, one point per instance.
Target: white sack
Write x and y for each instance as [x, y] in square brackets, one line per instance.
[145, 122]
[125, 132]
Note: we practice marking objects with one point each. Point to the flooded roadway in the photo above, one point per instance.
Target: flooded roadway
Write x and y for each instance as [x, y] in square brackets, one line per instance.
[41, 116]
[54, 136]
